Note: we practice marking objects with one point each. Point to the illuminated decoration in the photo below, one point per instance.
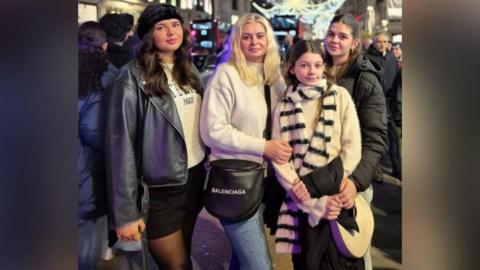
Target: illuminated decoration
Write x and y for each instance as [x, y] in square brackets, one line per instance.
[318, 15]
[370, 19]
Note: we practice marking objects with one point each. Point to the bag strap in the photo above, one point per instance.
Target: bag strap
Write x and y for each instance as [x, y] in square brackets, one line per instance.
[267, 133]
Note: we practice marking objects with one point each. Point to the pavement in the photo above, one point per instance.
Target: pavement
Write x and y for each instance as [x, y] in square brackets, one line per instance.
[211, 249]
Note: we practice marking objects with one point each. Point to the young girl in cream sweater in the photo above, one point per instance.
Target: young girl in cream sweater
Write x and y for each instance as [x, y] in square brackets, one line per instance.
[319, 120]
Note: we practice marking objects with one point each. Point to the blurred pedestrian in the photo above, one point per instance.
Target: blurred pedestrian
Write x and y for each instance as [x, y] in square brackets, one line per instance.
[380, 54]
[353, 71]
[152, 136]
[118, 30]
[92, 201]
[233, 121]
[366, 41]
[132, 40]
[396, 104]
[397, 51]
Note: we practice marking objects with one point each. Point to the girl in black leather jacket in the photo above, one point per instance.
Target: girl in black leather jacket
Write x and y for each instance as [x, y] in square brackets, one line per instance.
[152, 134]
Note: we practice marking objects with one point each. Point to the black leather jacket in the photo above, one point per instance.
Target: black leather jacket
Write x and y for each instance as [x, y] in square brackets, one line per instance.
[153, 124]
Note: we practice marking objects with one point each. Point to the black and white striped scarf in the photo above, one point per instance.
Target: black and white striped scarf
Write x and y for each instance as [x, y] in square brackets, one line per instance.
[308, 153]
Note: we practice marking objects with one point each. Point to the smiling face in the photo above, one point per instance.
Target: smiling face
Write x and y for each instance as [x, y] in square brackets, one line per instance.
[339, 41]
[253, 42]
[168, 36]
[308, 68]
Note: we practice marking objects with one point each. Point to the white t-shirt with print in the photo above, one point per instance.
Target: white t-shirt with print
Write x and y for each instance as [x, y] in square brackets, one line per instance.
[188, 103]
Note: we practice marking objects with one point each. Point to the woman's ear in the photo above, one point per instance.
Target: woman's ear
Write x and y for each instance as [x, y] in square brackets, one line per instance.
[355, 43]
[292, 71]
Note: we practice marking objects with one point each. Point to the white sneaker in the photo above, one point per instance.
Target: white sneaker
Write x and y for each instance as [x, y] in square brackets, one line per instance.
[108, 254]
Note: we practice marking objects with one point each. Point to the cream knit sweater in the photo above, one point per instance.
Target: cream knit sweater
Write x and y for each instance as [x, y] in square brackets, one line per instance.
[234, 114]
[345, 141]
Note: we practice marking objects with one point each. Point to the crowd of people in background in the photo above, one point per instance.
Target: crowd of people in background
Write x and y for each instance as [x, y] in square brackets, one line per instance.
[146, 117]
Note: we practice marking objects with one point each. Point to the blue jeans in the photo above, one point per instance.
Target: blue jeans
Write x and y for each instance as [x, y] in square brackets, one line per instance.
[92, 240]
[248, 242]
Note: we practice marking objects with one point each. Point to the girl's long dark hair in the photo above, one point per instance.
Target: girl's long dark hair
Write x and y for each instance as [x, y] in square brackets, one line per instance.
[92, 59]
[350, 21]
[151, 64]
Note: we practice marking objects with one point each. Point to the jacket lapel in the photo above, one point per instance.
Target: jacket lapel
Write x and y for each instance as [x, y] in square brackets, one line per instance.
[165, 104]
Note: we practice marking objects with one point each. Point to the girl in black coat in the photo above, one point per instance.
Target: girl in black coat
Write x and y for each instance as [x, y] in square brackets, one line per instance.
[360, 77]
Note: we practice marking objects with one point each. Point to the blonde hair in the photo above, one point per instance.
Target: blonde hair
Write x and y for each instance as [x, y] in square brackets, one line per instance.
[271, 62]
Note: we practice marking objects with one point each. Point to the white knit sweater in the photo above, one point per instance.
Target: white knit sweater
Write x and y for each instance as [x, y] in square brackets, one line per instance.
[234, 114]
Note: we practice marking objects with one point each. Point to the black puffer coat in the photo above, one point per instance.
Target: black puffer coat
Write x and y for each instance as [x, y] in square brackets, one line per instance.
[361, 81]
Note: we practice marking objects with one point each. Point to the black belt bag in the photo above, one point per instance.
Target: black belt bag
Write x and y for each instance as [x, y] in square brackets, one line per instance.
[234, 188]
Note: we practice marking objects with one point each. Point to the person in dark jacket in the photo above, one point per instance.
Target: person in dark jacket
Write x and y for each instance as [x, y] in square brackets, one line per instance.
[380, 54]
[360, 77]
[152, 135]
[133, 39]
[118, 29]
[92, 202]
[396, 102]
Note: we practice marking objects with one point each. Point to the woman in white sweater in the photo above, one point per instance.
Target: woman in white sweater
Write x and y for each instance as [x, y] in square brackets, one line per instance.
[233, 120]
[319, 120]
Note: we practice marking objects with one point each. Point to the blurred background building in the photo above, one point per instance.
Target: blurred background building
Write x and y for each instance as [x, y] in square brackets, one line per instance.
[209, 20]
[375, 14]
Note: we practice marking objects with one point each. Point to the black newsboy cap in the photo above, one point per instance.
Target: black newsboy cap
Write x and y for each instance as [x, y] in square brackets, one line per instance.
[154, 13]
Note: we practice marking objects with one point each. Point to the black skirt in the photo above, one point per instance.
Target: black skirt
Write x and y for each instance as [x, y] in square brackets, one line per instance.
[174, 208]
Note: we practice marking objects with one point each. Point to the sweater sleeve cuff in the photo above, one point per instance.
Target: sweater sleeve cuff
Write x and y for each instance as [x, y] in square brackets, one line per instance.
[258, 146]
[315, 208]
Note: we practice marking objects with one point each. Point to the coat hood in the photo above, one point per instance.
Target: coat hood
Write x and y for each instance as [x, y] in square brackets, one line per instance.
[364, 64]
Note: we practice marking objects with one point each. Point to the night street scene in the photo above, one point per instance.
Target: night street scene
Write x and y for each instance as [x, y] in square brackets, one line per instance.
[182, 102]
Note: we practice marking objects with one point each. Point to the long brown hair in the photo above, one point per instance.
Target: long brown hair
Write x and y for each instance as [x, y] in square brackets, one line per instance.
[151, 64]
[350, 21]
